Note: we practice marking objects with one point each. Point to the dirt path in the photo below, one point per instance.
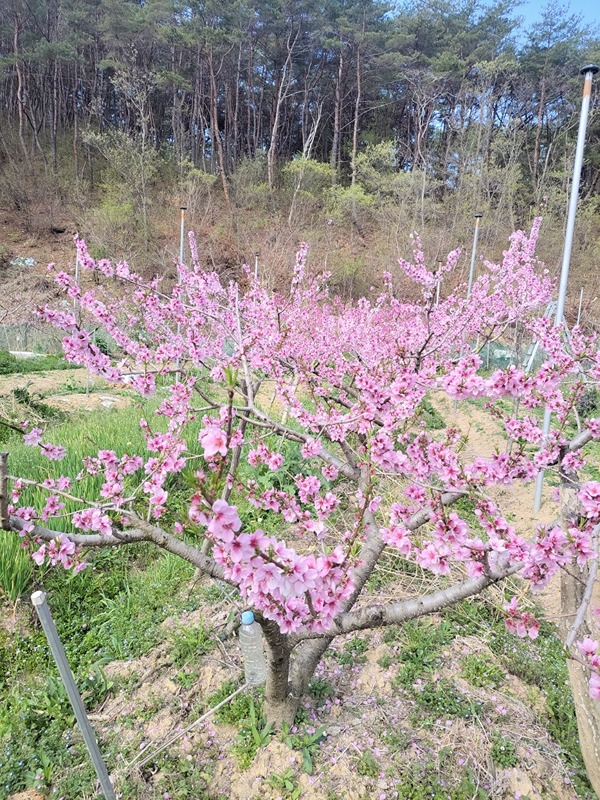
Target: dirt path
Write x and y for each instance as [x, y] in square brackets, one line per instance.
[65, 389]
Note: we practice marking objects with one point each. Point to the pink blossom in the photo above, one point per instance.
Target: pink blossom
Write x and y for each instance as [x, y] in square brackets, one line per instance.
[40, 555]
[589, 647]
[33, 438]
[595, 686]
[214, 441]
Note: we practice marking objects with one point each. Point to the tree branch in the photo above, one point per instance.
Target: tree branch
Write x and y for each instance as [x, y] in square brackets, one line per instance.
[141, 531]
[379, 615]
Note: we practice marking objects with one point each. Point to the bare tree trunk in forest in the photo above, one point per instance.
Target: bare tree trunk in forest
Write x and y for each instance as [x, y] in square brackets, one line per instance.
[306, 154]
[538, 137]
[216, 136]
[356, 117]
[75, 124]
[282, 93]
[55, 118]
[20, 90]
[337, 116]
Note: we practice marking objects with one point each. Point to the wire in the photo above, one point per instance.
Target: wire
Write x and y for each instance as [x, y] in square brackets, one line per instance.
[178, 735]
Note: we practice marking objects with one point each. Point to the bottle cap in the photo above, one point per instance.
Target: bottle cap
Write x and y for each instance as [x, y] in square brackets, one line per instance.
[247, 617]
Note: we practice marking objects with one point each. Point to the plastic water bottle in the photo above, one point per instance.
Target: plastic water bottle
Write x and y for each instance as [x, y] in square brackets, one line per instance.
[251, 642]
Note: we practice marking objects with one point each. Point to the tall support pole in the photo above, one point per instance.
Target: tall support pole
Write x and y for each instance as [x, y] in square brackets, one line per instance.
[478, 217]
[182, 236]
[438, 287]
[182, 210]
[39, 601]
[588, 72]
[4, 526]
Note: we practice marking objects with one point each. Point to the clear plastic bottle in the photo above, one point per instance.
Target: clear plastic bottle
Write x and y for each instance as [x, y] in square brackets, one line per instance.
[251, 642]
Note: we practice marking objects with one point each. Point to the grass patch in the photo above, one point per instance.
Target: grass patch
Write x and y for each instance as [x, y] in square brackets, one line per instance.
[422, 644]
[481, 672]
[12, 365]
[16, 567]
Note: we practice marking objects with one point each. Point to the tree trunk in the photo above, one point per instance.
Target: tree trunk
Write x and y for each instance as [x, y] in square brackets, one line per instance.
[572, 589]
[538, 137]
[337, 115]
[214, 113]
[280, 704]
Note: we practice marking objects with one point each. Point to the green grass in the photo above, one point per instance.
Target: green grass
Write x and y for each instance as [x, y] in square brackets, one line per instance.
[16, 566]
[112, 610]
[423, 781]
[479, 671]
[11, 365]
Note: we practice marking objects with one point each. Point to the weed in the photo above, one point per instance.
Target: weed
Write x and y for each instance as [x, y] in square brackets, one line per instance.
[432, 419]
[480, 671]
[321, 689]
[353, 652]
[503, 752]
[423, 782]
[443, 699]
[235, 712]
[11, 365]
[15, 566]
[421, 651]
[367, 765]
[189, 643]
[255, 733]
[307, 743]
[285, 784]
[43, 410]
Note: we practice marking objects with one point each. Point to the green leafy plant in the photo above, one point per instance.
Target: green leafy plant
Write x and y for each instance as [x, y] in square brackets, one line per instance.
[480, 671]
[285, 784]
[307, 743]
[503, 752]
[254, 733]
[442, 699]
[354, 651]
[367, 765]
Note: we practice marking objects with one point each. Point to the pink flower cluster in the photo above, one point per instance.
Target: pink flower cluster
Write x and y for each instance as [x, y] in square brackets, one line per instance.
[589, 650]
[54, 452]
[522, 623]
[289, 588]
[59, 551]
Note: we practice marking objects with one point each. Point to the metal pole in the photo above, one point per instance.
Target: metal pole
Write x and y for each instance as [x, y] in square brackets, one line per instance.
[181, 254]
[182, 236]
[437, 289]
[478, 217]
[580, 305]
[256, 265]
[39, 601]
[588, 72]
[4, 492]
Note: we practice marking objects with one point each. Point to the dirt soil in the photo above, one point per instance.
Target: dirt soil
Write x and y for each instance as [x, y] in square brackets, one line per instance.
[367, 719]
[66, 389]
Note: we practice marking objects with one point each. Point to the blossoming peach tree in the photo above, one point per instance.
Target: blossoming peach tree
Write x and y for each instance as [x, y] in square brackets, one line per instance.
[300, 417]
